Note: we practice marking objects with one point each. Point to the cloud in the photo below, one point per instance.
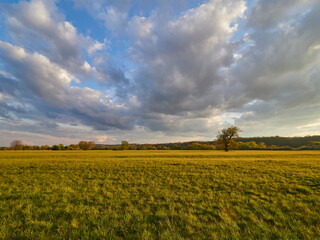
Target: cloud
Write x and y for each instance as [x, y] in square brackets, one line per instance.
[269, 13]
[102, 138]
[180, 60]
[114, 14]
[277, 78]
[181, 72]
[51, 83]
[46, 62]
[39, 26]
[281, 67]
[190, 65]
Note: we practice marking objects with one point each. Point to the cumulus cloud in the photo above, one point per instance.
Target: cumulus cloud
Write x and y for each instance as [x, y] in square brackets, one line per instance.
[269, 13]
[281, 68]
[39, 26]
[183, 71]
[45, 62]
[114, 14]
[50, 83]
[102, 138]
[180, 60]
[190, 64]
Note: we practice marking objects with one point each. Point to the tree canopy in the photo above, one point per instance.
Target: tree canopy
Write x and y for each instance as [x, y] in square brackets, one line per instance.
[124, 145]
[84, 145]
[16, 145]
[226, 136]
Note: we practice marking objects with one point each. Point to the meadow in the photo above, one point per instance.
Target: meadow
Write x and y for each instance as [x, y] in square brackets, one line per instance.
[159, 195]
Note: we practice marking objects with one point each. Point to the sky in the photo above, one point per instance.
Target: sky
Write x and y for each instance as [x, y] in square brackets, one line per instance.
[157, 71]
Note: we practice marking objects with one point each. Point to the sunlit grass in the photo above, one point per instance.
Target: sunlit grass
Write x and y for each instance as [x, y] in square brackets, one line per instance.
[159, 195]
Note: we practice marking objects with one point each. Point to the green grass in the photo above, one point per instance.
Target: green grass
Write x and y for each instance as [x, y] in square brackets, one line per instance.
[159, 195]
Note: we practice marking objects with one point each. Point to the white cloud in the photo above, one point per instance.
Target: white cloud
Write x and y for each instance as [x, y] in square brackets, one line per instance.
[114, 13]
[179, 60]
[272, 13]
[187, 74]
[51, 83]
[102, 138]
[97, 46]
[39, 25]
[16, 53]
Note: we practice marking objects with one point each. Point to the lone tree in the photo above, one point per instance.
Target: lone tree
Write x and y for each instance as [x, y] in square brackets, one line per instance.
[16, 145]
[124, 145]
[226, 136]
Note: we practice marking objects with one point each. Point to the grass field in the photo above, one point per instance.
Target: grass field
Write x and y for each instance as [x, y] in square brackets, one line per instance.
[159, 195]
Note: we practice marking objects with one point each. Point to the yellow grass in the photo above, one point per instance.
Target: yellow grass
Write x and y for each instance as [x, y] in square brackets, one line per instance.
[159, 195]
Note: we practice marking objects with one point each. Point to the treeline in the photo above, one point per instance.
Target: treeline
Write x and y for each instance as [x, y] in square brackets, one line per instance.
[293, 142]
[238, 144]
[235, 145]
[82, 145]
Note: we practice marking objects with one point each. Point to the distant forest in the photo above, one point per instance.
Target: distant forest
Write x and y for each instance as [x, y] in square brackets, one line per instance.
[293, 142]
[251, 143]
[274, 142]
